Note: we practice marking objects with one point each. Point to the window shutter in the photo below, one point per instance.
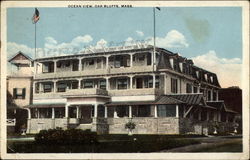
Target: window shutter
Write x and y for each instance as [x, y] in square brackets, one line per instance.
[23, 94]
[14, 93]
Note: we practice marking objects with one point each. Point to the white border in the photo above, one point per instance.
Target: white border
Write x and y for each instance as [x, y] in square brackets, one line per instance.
[245, 81]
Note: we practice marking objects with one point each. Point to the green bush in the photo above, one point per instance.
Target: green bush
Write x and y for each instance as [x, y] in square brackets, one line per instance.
[69, 136]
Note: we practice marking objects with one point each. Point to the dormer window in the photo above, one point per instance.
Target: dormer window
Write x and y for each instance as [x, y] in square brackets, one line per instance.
[212, 79]
[197, 74]
[181, 66]
[171, 60]
[205, 75]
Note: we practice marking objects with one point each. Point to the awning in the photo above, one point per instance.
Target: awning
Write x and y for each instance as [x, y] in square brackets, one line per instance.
[160, 100]
[219, 105]
[57, 105]
[190, 99]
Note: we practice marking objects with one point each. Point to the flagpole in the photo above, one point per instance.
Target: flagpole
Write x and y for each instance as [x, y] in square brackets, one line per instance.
[35, 40]
[154, 41]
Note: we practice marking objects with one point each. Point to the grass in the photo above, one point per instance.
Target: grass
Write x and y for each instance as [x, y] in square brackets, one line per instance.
[108, 144]
[231, 146]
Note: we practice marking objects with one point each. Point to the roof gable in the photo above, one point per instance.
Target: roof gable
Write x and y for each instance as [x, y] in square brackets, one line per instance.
[20, 56]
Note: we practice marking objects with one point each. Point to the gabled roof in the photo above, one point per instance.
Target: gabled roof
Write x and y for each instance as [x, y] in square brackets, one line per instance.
[20, 53]
[190, 99]
[220, 105]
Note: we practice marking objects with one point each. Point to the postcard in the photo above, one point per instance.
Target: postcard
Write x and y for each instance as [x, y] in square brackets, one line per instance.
[124, 80]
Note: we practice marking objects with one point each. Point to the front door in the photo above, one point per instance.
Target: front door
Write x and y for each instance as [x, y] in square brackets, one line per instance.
[85, 114]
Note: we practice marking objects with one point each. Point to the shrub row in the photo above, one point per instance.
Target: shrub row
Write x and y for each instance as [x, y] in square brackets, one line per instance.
[69, 136]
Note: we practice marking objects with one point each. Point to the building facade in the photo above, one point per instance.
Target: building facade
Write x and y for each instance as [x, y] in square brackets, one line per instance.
[161, 92]
[19, 91]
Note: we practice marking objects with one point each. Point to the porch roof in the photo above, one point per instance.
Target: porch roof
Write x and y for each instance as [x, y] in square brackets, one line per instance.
[56, 105]
[190, 99]
[160, 100]
[220, 105]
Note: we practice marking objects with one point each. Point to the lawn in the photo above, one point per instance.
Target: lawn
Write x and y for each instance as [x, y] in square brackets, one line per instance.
[107, 144]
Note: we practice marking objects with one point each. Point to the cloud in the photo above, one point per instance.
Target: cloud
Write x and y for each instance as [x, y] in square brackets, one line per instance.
[173, 39]
[52, 48]
[228, 70]
[199, 29]
[101, 44]
[139, 33]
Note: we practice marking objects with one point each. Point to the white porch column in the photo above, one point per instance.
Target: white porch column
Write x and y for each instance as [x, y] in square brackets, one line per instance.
[80, 64]
[211, 94]
[198, 88]
[54, 83]
[29, 114]
[177, 110]
[95, 111]
[66, 111]
[131, 82]
[79, 83]
[153, 80]
[55, 65]
[34, 87]
[130, 111]
[131, 60]
[107, 62]
[219, 116]
[77, 111]
[53, 113]
[155, 107]
[152, 58]
[107, 83]
[217, 95]
[105, 112]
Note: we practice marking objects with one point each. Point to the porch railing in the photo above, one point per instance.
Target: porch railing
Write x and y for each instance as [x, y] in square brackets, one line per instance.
[11, 122]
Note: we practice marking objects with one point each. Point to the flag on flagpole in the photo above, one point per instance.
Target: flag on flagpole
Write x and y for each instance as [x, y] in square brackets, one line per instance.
[158, 8]
[35, 16]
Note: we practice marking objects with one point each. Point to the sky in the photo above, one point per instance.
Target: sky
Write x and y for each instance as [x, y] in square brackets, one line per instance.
[211, 36]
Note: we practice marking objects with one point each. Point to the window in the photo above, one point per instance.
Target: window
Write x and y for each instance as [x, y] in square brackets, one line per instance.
[75, 66]
[47, 87]
[174, 85]
[141, 57]
[48, 67]
[102, 84]
[188, 88]
[214, 96]
[74, 85]
[88, 84]
[72, 112]
[195, 89]
[209, 98]
[59, 112]
[45, 112]
[19, 93]
[141, 111]
[90, 62]
[149, 61]
[34, 112]
[61, 87]
[37, 88]
[157, 82]
[122, 111]
[122, 83]
[166, 110]
[100, 111]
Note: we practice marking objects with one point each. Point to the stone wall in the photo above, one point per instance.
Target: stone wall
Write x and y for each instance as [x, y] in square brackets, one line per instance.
[147, 125]
[35, 125]
[191, 126]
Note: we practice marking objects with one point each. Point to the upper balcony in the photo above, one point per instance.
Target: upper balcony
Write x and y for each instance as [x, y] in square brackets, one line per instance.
[104, 65]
